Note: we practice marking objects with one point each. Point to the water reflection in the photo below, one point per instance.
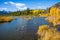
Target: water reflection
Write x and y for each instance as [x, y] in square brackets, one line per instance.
[21, 29]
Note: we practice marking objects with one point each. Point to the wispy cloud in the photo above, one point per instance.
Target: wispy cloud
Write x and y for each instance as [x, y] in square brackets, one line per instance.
[5, 2]
[11, 2]
[4, 9]
[19, 6]
[41, 7]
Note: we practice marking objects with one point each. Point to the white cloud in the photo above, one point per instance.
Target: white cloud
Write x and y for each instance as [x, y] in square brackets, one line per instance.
[11, 2]
[4, 9]
[19, 6]
[5, 2]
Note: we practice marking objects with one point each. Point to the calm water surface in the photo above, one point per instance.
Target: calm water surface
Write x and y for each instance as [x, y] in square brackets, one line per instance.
[21, 29]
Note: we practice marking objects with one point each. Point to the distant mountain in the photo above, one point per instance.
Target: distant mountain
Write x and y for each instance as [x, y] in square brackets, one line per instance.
[4, 12]
[57, 5]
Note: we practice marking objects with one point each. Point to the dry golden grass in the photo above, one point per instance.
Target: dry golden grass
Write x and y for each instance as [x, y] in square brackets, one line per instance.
[54, 19]
[6, 18]
[47, 33]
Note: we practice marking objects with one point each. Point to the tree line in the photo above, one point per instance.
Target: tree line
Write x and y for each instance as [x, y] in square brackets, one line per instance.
[28, 11]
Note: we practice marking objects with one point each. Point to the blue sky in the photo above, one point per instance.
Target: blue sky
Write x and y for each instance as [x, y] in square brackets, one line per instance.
[14, 5]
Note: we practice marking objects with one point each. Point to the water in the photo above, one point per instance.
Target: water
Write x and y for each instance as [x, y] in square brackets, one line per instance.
[21, 29]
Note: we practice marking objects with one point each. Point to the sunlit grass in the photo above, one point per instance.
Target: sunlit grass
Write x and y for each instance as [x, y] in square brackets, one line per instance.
[47, 33]
[6, 18]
